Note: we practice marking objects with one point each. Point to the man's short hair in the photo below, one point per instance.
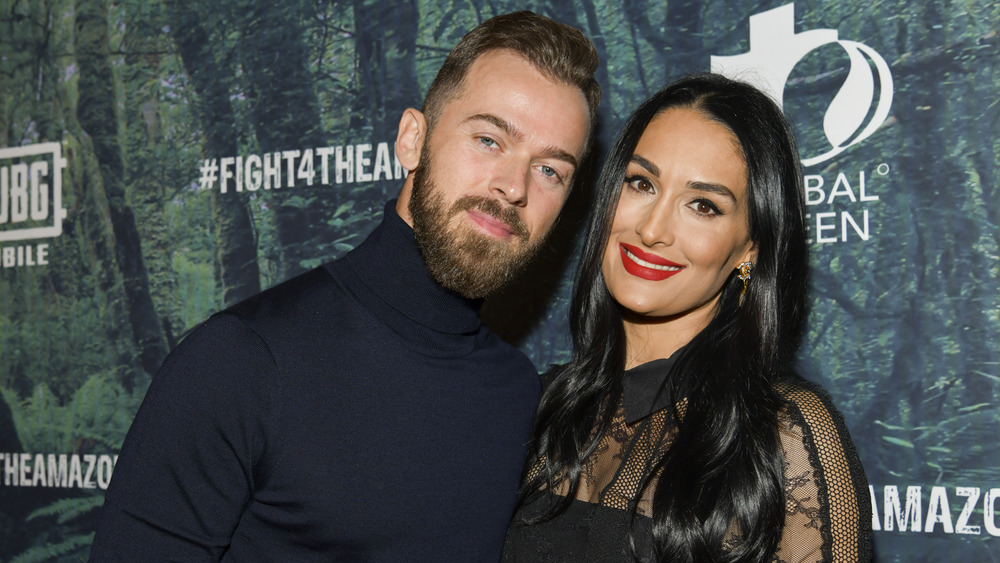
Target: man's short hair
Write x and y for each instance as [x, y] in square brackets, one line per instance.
[559, 51]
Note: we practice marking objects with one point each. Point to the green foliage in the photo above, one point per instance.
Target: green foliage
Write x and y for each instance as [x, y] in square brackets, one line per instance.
[903, 328]
[39, 346]
[95, 420]
[68, 508]
[70, 548]
[196, 294]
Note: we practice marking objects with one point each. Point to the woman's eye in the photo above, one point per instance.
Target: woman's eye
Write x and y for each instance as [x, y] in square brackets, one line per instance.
[639, 184]
[549, 171]
[705, 207]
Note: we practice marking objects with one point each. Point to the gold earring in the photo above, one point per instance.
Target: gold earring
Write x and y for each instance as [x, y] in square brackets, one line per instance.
[744, 268]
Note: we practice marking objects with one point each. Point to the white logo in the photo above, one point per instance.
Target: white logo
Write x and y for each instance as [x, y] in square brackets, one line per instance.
[775, 48]
[31, 192]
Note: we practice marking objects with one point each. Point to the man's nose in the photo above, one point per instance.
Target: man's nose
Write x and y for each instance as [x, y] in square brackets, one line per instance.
[511, 184]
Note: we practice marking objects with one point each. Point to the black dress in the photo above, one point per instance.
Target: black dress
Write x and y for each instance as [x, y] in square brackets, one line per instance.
[828, 507]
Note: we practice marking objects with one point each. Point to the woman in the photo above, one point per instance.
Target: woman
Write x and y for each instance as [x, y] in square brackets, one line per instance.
[679, 432]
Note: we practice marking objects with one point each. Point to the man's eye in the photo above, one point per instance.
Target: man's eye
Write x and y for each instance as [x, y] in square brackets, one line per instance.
[488, 142]
[550, 174]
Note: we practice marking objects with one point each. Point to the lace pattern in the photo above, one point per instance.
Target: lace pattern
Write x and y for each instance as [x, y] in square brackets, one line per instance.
[827, 512]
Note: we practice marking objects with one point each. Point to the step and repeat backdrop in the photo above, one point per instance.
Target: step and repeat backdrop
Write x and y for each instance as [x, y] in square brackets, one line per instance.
[161, 160]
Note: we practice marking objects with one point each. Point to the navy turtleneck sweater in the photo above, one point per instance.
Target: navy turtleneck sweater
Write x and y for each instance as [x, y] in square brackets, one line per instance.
[359, 412]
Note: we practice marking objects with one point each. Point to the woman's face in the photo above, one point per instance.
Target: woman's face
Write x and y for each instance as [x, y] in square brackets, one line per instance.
[681, 223]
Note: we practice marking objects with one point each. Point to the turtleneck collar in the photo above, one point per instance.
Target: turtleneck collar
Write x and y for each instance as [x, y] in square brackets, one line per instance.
[390, 266]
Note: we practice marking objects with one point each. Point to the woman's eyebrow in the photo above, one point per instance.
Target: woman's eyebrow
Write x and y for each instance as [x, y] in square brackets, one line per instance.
[713, 188]
[696, 185]
[649, 166]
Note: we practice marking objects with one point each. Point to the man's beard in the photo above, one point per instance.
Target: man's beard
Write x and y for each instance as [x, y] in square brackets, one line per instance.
[465, 261]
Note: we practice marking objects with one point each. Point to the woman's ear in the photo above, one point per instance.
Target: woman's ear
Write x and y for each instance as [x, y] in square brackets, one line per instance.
[410, 138]
[751, 254]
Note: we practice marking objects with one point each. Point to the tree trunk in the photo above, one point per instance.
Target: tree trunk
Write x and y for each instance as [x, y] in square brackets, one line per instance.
[286, 118]
[96, 115]
[15, 502]
[238, 270]
[685, 39]
[385, 47]
[144, 172]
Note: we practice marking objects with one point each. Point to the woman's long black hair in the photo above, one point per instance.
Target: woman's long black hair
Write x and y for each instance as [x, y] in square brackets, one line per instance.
[723, 471]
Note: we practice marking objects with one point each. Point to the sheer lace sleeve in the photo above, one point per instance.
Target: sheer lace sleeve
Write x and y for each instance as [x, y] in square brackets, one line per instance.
[828, 508]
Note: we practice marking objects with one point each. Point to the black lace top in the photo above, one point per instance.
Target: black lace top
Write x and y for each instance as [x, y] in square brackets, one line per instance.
[828, 507]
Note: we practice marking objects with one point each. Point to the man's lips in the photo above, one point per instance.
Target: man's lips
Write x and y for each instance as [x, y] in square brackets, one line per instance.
[645, 265]
[491, 217]
[490, 224]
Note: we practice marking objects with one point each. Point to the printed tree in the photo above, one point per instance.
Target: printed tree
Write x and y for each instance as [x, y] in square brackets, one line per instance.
[903, 328]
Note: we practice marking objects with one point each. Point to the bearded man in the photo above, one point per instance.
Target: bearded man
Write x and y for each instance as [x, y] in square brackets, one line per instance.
[362, 411]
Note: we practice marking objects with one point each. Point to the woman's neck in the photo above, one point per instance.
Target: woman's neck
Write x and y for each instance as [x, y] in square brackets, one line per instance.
[648, 339]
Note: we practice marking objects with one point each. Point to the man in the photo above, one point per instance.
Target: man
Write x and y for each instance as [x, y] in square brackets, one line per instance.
[361, 411]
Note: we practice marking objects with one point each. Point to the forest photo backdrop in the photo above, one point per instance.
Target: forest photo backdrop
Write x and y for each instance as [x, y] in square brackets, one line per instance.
[161, 159]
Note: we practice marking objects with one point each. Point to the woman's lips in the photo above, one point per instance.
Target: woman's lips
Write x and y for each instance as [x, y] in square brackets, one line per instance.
[645, 265]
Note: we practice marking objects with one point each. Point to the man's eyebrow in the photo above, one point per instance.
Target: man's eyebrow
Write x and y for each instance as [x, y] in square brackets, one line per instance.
[700, 186]
[517, 135]
[499, 123]
[559, 154]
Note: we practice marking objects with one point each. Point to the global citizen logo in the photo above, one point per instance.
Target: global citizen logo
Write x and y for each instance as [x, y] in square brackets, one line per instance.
[775, 48]
[30, 202]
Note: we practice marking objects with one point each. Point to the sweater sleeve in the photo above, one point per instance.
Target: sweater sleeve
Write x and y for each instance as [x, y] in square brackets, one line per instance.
[185, 473]
[828, 508]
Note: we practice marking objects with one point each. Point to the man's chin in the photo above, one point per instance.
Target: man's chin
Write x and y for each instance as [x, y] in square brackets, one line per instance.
[488, 242]
[472, 247]
[478, 265]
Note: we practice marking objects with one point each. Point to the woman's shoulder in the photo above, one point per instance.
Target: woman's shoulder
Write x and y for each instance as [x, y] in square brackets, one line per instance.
[825, 482]
[810, 420]
[793, 386]
[808, 404]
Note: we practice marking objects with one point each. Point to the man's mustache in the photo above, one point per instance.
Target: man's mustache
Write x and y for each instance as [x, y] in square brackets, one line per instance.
[492, 207]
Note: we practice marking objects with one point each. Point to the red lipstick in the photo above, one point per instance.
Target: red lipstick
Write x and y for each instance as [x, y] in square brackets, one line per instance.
[645, 265]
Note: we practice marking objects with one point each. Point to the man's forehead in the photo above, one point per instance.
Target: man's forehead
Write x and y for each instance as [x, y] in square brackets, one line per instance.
[488, 67]
[490, 91]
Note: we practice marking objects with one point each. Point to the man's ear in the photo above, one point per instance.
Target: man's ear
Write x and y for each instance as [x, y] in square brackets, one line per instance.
[410, 138]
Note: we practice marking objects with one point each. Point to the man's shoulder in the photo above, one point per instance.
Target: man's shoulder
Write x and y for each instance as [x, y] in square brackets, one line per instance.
[282, 311]
[307, 294]
[264, 328]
